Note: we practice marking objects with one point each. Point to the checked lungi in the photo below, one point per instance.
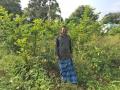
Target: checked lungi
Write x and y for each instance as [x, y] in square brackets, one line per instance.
[67, 71]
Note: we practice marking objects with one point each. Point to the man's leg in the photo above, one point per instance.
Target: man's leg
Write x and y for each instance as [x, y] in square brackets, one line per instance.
[63, 70]
[71, 73]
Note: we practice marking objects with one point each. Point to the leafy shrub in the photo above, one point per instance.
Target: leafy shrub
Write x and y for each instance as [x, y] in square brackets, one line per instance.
[20, 74]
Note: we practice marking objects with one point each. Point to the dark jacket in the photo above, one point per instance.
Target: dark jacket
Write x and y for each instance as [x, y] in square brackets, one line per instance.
[63, 47]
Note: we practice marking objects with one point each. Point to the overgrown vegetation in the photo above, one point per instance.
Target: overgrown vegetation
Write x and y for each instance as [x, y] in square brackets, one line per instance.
[28, 61]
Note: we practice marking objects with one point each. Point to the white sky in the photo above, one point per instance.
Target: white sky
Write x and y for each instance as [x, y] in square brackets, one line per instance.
[68, 6]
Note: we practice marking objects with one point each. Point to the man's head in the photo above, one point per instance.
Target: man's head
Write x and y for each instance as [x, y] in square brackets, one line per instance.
[63, 30]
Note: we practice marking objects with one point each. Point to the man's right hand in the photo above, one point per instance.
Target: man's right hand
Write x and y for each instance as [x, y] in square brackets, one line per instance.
[58, 57]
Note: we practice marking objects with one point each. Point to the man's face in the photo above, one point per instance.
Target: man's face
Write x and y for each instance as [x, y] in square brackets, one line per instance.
[63, 31]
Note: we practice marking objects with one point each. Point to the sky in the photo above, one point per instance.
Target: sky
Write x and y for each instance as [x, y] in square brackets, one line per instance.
[69, 6]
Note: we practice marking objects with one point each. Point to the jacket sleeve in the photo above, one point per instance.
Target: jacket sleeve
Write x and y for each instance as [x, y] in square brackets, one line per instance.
[71, 51]
[57, 47]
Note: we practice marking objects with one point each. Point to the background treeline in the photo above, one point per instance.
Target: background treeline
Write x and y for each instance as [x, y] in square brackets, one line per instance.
[27, 47]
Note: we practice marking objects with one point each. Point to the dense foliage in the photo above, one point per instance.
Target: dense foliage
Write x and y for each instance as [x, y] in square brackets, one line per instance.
[13, 6]
[28, 61]
[77, 15]
[112, 18]
[45, 9]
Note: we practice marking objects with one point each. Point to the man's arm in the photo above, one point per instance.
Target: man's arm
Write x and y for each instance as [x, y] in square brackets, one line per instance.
[71, 51]
[57, 47]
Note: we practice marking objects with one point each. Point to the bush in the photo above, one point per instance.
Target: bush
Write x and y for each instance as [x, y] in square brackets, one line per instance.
[22, 75]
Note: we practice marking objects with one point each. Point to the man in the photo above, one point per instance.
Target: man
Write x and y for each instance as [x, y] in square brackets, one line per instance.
[64, 53]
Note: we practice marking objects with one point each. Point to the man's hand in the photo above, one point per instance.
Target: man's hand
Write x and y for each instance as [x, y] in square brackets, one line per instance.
[58, 57]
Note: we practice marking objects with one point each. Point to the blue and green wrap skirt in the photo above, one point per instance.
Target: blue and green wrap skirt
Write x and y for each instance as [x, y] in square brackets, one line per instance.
[67, 71]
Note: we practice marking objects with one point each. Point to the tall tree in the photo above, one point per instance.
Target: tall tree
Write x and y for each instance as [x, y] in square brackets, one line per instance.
[13, 6]
[77, 15]
[111, 18]
[45, 9]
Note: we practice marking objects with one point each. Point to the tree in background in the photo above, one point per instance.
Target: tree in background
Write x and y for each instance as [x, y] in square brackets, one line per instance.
[112, 18]
[12, 6]
[76, 16]
[45, 9]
